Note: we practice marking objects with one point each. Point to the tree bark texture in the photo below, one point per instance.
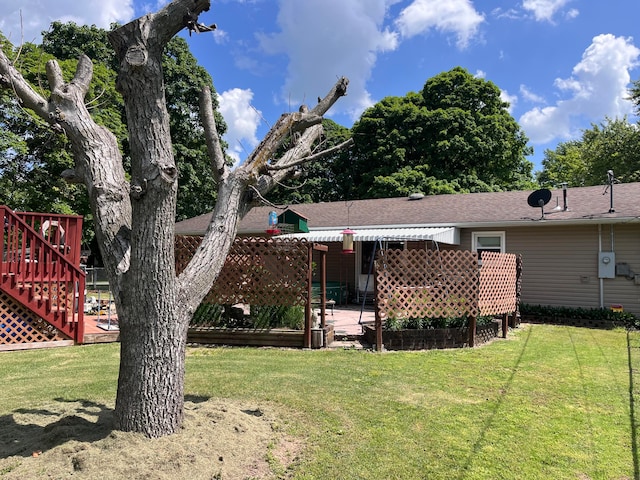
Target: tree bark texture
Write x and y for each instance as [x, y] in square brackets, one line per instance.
[135, 220]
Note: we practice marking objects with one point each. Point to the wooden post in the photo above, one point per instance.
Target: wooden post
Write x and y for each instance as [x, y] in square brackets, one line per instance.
[505, 325]
[379, 343]
[307, 310]
[323, 288]
[516, 314]
[472, 331]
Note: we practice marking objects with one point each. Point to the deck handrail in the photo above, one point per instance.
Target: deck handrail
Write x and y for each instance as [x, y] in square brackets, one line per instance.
[58, 229]
[38, 274]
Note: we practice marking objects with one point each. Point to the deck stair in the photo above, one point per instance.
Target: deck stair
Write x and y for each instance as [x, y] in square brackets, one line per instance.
[40, 267]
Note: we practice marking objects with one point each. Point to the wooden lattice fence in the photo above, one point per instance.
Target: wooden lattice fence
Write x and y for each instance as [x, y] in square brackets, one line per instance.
[451, 283]
[19, 326]
[498, 283]
[261, 272]
[426, 283]
[257, 271]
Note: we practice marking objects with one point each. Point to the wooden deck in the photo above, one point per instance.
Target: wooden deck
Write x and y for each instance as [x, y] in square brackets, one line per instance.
[93, 333]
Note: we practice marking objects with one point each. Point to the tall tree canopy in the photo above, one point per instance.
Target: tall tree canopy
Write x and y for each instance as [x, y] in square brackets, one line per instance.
[32, 156]
[320, 181]
[456, 135]
[612, 145]
[634, 95]
[66, 41]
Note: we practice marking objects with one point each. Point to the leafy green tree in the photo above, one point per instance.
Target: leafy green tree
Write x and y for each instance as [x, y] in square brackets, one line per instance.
[612, 145]
[69, 41]
[457, 126]
[183, 79]
[565, 164]
[634, 92]
[320, 181]
[32, 156]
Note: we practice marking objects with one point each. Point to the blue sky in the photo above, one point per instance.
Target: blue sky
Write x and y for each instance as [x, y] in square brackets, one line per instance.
[562, 64]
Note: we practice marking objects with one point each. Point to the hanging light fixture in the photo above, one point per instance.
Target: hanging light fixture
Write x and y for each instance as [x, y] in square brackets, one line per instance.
[347, 240]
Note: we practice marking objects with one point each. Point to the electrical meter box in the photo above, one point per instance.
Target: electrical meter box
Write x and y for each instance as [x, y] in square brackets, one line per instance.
[606, 265]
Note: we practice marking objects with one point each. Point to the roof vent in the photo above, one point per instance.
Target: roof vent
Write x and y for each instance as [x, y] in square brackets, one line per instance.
[416, 196]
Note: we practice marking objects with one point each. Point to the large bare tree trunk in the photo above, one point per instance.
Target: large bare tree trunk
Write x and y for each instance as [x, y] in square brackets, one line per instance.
[153, 332]
[135, 220]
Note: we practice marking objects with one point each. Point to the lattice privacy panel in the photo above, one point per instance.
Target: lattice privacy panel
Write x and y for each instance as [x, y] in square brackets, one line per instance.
[18, 325]
[426, 283]
[257, 271]
[498, 283]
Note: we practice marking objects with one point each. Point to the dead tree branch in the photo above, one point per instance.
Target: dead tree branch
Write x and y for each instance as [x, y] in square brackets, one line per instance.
[211, 134]
[314, 157]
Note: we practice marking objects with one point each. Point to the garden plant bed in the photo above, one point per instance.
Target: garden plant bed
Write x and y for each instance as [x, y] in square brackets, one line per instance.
[254, 337]
[273, 337]
[433, 338]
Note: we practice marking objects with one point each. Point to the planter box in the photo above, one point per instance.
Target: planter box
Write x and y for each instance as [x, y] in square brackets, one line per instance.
[246, 337]
[431, 338]
[249, 337]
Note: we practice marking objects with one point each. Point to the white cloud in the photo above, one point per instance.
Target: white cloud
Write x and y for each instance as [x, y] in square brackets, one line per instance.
[242, 122]
[573, 13]
[597, 88]
[326, 39]
[510, 99]
[37, 15]
[453, 16]
[511, 13]
[529, 96]
[544, 10]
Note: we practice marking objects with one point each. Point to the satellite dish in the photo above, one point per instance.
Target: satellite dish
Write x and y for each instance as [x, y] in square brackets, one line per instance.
[539, 198]
[543, 195]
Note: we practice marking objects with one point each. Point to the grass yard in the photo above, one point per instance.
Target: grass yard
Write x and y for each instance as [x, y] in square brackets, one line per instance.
[547, 403]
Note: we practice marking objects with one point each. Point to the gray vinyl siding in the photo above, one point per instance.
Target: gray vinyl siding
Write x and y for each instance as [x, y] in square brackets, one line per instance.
[560, 264]
[626, 245]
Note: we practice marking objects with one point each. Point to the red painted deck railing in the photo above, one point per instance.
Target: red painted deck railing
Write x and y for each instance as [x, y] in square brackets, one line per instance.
[40, 267]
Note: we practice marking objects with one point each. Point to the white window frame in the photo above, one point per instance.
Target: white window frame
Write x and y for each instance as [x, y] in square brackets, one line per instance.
[500, 234]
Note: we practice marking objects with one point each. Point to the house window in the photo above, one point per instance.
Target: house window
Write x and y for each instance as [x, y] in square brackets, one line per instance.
[487, 242]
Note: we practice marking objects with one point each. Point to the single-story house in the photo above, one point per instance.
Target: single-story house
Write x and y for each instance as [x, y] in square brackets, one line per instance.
[579, 249]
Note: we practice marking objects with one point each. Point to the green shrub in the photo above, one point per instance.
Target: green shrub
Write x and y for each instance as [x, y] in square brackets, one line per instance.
[277, 316]
[423, 323]
[269, 316]
[621, 319]
[207, 315]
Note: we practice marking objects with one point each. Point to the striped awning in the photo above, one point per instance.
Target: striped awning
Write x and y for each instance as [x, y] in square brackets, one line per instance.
[450, 235]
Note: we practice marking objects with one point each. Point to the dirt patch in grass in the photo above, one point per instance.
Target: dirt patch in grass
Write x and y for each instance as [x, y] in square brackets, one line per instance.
[220, 439]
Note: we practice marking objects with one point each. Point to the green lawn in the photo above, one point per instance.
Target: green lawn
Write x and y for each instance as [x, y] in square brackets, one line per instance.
[547, 403]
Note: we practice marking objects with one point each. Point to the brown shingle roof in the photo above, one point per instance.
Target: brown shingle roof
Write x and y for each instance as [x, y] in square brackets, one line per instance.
[463, 210]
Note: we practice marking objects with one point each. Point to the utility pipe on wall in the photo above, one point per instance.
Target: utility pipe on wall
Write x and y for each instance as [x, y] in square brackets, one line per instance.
[601, 280]
[611, 249]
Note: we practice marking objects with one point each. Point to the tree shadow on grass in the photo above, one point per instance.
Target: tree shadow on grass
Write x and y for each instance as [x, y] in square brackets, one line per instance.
[492, 418]
[29, 432]
[633, 350]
